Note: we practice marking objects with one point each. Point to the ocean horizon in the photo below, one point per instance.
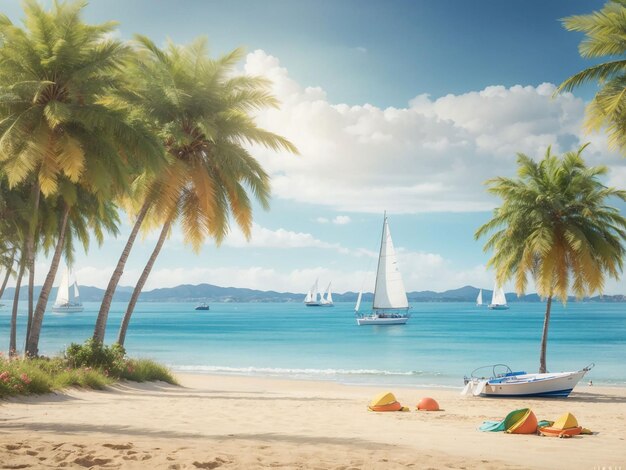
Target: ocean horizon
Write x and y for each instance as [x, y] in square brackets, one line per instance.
[440, 344]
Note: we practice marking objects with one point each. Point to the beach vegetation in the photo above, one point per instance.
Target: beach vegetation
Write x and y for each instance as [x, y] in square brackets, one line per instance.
[90, 365]
[556, 226]
[603, 31]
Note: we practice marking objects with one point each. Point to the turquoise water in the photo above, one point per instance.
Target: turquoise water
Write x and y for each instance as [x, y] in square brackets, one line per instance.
[441, 343]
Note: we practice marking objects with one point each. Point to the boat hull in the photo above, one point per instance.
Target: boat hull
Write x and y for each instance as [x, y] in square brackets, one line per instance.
[68, 309]
[376, 320]
[312, 304]
[498, 307]
[533, 385]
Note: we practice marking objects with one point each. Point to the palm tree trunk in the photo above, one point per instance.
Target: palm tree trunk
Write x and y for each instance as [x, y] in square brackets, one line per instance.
[31, 294]
[544, 337]
[8, 274]
[142, 281]
[103, 314]
[16, 299]
[32, 343]
[30, 252]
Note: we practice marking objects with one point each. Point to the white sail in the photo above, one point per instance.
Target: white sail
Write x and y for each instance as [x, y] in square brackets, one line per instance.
[311, 298]
[63, 294]
[479, 299]
[76, 292]
[328, 297]
[358, 302]
[389, 291]
[498, 297]
[314, 292]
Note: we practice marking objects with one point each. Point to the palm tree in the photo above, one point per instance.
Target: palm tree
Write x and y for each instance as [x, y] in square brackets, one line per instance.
[7, 264]
[56, 122]
[555, 224]
[604, 32]
[200, 111]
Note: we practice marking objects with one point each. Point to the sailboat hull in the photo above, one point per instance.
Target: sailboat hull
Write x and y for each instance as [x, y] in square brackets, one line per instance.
[379, 320]
[498, 307]
[67, 308]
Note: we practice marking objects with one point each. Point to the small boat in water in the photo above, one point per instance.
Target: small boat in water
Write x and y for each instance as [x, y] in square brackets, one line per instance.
[479, 299]
[327, 299]
[390, 305]
[68, 300]
[498, 299]
[203, 306]
[503, 382]
[312, 298]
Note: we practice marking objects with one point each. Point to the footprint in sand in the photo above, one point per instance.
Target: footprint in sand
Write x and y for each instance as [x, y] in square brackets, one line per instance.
[118, 446]
[212, 464]
[90, 461]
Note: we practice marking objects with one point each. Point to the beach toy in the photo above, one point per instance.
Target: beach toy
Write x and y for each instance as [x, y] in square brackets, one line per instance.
[565, 426]
[527, 424]
[513, 418]
[428, 404]
[385, 401]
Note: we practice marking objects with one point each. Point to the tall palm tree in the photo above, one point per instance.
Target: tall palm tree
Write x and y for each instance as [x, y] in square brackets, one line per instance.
[604, 31]
[554, 224]
[56, 122]
[200, 110]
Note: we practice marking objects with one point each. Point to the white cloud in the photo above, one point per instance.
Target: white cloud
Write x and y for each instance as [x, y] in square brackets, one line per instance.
[433, 155]
[342, 220]
[322, 220]
[262, 237]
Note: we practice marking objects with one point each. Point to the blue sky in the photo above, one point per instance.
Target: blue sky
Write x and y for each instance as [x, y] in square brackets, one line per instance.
[404, 106]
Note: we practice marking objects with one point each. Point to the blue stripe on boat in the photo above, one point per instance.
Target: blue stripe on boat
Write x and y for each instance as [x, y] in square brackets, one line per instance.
[555, 393]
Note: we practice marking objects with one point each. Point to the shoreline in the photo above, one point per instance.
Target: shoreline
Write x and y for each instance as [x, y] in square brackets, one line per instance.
[216, 421]
[416, 385]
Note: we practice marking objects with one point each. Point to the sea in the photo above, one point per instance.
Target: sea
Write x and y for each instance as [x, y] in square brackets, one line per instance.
[441, 343]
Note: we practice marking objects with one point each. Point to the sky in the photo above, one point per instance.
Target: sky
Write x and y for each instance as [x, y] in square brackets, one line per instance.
[399, 106]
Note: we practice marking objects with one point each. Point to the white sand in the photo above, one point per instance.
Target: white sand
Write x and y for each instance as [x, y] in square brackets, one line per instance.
[239, 422]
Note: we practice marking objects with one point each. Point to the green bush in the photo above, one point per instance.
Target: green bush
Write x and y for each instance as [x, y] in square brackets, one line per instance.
[95, 354]
[145, 370]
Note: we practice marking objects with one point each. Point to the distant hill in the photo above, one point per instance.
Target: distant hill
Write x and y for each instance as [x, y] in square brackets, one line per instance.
[211, 293]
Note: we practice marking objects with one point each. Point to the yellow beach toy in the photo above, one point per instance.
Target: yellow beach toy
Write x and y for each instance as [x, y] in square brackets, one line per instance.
[386, 401]
[565, 426]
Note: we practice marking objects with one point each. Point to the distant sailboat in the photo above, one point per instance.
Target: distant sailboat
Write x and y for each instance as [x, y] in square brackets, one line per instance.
[327, 300]
[498, 299]
[312, 297]
[66, 302]
[390, 305]
[479, 299]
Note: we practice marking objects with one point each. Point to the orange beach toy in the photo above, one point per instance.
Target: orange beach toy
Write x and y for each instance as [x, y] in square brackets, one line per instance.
[428, 404]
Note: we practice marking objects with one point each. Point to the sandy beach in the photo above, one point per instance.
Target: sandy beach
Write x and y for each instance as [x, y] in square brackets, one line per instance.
[242, 422]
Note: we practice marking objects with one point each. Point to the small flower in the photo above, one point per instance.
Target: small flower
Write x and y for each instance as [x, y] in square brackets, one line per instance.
[24, 377]
[5, 376]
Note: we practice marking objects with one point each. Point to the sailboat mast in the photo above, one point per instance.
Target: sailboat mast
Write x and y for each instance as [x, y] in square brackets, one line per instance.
[380, 252]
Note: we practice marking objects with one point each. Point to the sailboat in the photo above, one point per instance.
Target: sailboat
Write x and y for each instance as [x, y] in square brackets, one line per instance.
[498, 299]
[327, 299]
[64, 302]
[390, 305]
[479, 299]
[312, 297]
